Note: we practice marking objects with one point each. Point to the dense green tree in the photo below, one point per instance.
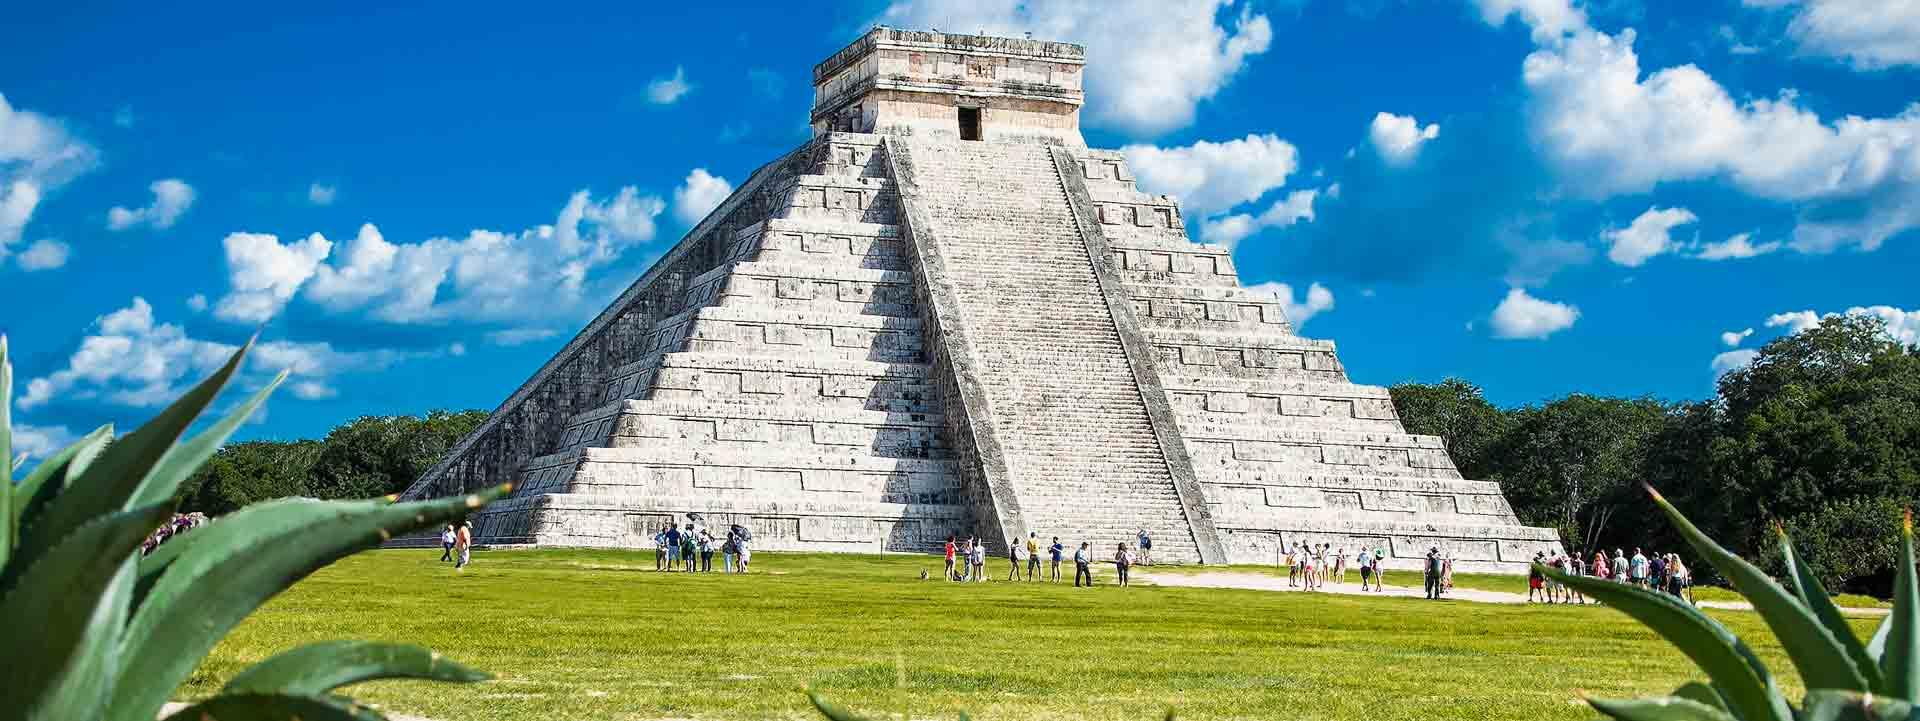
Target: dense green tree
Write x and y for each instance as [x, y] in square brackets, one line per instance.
[245, 473]
[367, 457]
[1457, 412]
[1573, 463]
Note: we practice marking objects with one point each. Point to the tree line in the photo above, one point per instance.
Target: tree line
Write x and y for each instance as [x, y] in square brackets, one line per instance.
[1819, 435]
[366, 457]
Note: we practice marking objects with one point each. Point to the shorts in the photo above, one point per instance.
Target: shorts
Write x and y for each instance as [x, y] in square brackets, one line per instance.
[1533, 583]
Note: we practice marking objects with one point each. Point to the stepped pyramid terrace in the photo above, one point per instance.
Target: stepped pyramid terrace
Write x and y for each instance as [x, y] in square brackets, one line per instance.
[945, 314]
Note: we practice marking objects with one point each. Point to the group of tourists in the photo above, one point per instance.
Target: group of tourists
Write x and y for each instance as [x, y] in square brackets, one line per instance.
[691, 549]
[1663, 572]
[180, 523]
[1311, 566]
[967, 560]
[456, 544]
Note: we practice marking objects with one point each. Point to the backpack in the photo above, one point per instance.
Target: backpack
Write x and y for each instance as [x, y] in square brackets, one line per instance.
[742, 533]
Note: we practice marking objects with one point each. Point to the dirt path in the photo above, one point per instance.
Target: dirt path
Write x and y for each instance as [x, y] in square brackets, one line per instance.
[1261, 582]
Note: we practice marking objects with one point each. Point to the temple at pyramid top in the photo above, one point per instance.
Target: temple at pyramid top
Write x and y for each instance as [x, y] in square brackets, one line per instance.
[969, 87]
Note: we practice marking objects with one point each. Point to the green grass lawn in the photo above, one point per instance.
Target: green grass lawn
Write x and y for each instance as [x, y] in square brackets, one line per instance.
[576, 634]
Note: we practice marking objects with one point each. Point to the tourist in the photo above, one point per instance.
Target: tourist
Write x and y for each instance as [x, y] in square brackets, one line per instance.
[1637, 566]
[1309, 572]
[673, 547]
[706, 551]
[1599, 567]
[1340, 565]
[446, 544]
[1033, 555]
[1446, 573]
[1620, 567]
[1657, 572]
[688, 547]
[463, 542]
[1053, 552]
[1081, 559]
[1535, 579]
[1146, 548]
[745, 543]
[1677, 577]
[1123, 560]
[1432, 574]
[1365, 561]
[1576, 566]
[1016, 556]
[730, 551]
[1292, 561]
[951, 549]
[979, 558]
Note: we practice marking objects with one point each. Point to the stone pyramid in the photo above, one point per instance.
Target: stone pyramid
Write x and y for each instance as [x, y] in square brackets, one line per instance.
[944, 314]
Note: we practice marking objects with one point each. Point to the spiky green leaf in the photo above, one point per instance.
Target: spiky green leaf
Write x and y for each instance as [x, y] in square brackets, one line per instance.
[1836, 705]
[240, 561]
[275, 707]
[110, 482]
[1900, 660]
[1814, 595]
[1742, 679]
[835, 713]
[1658, 708]
[1823, 663]
[1877, 645]
[183, 459]
[33, 492]
[1696, 691]
[75, 597]
[318, 668]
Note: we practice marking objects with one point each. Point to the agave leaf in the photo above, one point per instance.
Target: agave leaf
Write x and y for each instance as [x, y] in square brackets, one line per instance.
[81, 690]
[112, 480]
[275, 707]
[1742, 679]
[6, 453]
[318, 668]
[835, 712]
[1877, 646]
[1901, 659]
[1814, 595]
[155, 564]
[182, 460]
[1658, 708]
[1696, 691]
[1837, 705]
[1823, 663]
[55, 610]
[239, 562]
[33, 492]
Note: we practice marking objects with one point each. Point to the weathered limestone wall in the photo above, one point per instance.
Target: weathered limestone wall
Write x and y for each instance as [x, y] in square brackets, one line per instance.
[902, 82]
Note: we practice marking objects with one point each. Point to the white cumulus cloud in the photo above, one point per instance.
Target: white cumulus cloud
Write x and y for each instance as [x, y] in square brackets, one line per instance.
[1868, 34]
[1209, 177]
[1231, 229]
[1648, 235]
[1316, 301]
[1522, 316]
[1609, 128]
[1398, 137]
[37, 155]
[44, 254]
[1157, 60]
[129, 358]
[171, 198]
[1903, 325]
[484, 276]
[1794, 321]
[699, 195]
[1733, 338]
[1733, 360]
[1736, 247]
[670, 89]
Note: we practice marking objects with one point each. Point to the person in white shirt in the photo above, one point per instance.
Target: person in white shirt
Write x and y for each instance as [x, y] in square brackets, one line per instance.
[979, 558]
[446, 544]
[1081, 559]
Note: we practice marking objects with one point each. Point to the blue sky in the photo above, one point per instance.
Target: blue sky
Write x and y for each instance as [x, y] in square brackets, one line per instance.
[418, 205]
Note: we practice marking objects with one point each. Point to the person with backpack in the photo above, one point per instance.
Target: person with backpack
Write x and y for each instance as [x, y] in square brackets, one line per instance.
[1123, 560]
[1081, 569]
[1433, 572]
[688, 547]
[1054, 551]
[729, 551]
[1146, 548]
[1536, 580]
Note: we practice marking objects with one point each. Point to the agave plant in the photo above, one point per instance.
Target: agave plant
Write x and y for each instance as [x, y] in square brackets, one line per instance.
[1844, 677]
[95, 631]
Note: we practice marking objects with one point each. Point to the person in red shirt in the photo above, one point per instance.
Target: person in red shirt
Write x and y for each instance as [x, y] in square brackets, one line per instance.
[950, 550]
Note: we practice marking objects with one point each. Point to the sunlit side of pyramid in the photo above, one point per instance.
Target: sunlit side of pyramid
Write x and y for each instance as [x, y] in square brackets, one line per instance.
[945, 314]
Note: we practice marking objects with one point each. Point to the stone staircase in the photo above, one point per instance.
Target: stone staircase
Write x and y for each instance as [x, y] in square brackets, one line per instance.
[1081, 452]
[789, 393]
